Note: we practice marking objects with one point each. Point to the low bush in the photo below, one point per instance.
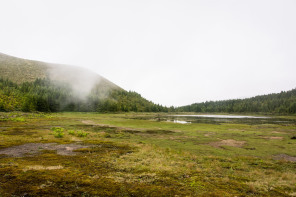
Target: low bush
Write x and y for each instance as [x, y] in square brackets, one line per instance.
[58, 132]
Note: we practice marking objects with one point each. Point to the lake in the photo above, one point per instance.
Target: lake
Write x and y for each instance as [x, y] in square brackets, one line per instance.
[218, 119]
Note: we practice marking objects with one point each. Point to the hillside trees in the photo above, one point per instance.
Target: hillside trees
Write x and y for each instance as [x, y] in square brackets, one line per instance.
[284, 102]
[46, 96]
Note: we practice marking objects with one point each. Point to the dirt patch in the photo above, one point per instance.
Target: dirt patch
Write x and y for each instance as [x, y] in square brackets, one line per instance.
[276, 138]
[285, 157]
[208, 134]
[278, 132]
[90, 122]
[31, 149]
[273, 137]
[228, 142]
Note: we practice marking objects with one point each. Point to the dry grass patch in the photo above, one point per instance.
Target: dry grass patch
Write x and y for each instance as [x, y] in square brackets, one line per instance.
[273, 137]
[278, 132]
[40, 167]
[228, 142]
[267, 180]
[90, 122]
[208, 134]
[149, 164]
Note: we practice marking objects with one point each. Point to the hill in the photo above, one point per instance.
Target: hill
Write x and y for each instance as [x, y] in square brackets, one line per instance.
[29, 85]
[20, 70]
[284, 102]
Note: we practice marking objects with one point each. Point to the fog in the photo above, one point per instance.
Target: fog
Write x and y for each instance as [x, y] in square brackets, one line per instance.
[171, 52]
[80, 80]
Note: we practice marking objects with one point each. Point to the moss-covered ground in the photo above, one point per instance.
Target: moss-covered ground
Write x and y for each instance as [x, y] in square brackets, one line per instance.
[136, 154]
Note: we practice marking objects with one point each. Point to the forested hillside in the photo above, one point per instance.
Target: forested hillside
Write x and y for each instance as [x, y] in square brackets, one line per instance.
[284, 102]
[27, 85]
[45, 96]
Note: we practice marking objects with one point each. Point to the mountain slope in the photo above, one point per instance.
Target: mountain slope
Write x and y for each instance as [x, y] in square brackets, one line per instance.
[37, 86]
[20, 70]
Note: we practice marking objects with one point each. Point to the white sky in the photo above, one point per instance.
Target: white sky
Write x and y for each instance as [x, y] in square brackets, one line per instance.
[171, 52]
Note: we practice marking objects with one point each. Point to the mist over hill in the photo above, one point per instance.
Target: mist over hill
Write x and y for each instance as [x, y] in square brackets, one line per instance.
[27, 85]
[38, 86]
[81, 80]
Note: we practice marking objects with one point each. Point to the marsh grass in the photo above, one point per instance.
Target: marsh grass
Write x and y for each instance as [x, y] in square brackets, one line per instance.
[131, 156]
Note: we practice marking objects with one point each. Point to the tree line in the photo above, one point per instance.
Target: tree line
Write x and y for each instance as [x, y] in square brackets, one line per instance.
[283, 103]
[44, 96]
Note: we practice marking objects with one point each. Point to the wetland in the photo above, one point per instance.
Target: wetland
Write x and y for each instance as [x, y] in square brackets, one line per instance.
[146, 154]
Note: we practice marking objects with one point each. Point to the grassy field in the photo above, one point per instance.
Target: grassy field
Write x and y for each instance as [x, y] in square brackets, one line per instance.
[137, 154]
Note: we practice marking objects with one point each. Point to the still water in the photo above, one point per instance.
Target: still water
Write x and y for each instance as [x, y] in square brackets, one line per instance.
[218, 119]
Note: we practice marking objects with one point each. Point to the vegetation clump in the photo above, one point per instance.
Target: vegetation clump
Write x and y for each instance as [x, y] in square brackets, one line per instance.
[58, 132]
[71, 132]
[81, 133]
[78, 133]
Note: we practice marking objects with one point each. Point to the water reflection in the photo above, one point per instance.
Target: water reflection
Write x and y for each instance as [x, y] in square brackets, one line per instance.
[179, 121]
[220, 116]
[236, 119]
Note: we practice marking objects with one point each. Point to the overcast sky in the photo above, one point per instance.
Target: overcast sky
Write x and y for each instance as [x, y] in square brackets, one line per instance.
[171, 52]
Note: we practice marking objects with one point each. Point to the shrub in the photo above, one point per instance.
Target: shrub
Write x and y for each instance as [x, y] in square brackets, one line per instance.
[71, 132]
[81, 134]
[58, 132]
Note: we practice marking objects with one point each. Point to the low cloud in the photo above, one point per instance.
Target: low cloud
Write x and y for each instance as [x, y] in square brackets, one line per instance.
[80, 80]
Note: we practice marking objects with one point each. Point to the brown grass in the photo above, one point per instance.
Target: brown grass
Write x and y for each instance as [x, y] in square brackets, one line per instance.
[273, 137]
[40, 167]
[228, 142]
